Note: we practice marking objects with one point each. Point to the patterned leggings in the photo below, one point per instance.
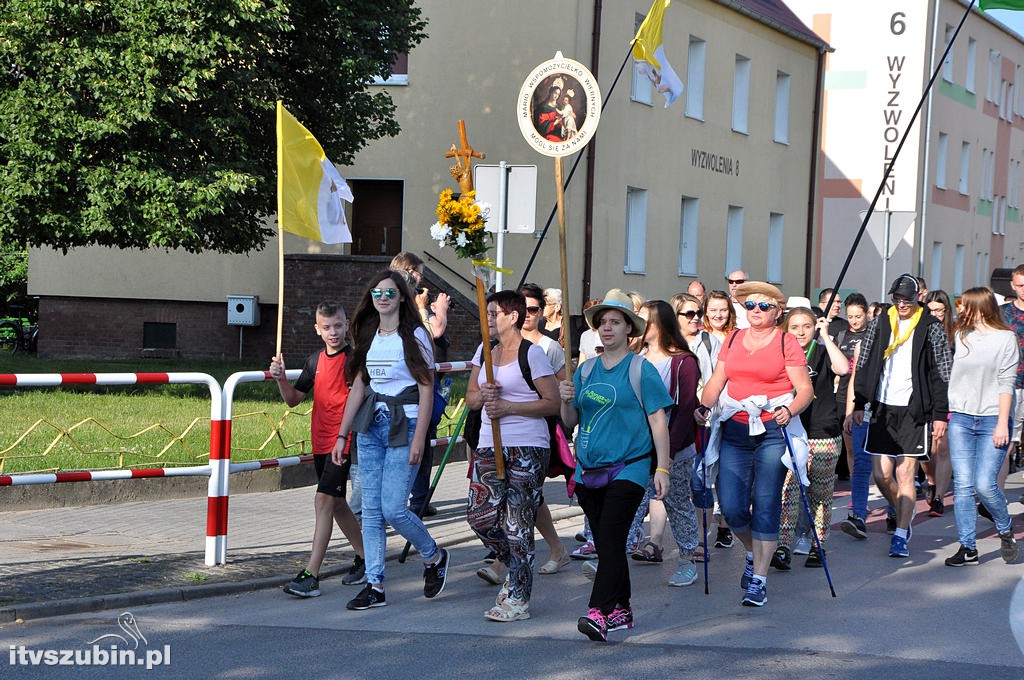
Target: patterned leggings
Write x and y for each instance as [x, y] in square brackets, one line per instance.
[682, 514]
[503, 512]
[821, 471]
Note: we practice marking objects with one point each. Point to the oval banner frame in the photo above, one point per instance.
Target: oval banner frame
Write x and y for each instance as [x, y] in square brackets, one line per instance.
[559, 107]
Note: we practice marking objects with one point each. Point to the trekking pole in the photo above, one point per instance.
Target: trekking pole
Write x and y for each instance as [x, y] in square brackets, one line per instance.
[437, 476]
[807, 509]
[703, 430]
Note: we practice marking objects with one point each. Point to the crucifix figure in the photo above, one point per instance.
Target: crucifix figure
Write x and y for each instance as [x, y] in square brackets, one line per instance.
[462, 171]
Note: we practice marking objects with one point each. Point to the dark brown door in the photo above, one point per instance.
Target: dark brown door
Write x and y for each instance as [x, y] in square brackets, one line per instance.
[377, 216]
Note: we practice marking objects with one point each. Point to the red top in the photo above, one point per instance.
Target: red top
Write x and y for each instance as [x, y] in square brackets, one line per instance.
[762, 371]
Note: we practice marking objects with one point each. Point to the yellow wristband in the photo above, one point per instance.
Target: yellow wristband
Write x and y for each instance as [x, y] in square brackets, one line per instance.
[661, 470]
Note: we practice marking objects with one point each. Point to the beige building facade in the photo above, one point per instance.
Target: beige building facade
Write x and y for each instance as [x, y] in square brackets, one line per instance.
[721, 180]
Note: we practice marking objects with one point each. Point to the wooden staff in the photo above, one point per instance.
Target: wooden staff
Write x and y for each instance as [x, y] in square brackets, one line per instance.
[481, 302]
[560, 194]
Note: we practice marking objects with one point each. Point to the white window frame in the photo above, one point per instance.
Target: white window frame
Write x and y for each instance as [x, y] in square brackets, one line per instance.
[958, 269]
[947, 66]
[935, 276]
[965, 168]
[741, 95]
[734, 238]
[689, 227]
[972, 64]
[695, 68]
[977, 268]
[782, 88]
[776, 236]
[396, 78]
[640, 90]
[635, 249]
[941, 160]
[991, 91]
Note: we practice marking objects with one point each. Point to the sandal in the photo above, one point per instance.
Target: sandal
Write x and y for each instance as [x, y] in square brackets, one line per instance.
[490, 574]
[698, 554]
[650, 552]
[509, 610]
[553, 566]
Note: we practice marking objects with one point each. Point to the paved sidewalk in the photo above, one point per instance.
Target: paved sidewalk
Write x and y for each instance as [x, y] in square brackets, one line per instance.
[68, 560]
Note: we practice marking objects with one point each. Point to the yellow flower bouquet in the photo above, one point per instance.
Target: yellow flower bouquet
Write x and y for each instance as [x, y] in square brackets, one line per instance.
[460, 224]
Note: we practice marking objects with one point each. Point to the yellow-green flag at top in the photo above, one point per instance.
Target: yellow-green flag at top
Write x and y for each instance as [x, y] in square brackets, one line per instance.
[1001, 4]
[309, 188]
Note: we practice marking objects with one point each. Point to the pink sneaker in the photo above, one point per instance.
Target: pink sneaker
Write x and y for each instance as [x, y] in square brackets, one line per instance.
[594, 625]
[620, 619]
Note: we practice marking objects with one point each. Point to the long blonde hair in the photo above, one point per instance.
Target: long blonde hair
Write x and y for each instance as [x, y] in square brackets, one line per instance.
[978, 305]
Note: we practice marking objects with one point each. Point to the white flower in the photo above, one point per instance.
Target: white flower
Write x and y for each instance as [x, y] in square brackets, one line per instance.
[436, 231]
[461, 240]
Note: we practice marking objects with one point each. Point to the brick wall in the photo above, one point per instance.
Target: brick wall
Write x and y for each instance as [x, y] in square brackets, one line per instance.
[94, 328]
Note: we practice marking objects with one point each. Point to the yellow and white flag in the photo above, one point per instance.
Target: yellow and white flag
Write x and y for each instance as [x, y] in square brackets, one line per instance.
[309, 188]
[649, 51]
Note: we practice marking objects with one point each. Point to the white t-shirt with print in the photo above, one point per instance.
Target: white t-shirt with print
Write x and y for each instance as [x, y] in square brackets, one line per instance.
[385, 362]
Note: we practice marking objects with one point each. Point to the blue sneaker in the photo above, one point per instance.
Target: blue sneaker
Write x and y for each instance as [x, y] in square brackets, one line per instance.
[685, 575]
[748, 573]
[757, 594]
[898, 547]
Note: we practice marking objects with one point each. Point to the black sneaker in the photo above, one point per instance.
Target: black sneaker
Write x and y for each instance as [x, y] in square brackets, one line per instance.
[435, 576]
[356, 573]
[368, 597]
[724, 538]
[929, 494]
[748, 573]
[304, 585]
[782, 558]
[814, 557]
[1008, 547]
[757, 594]
[937, 509]
[963, 557]
[890, 523]
[983, 511]
[854, 526]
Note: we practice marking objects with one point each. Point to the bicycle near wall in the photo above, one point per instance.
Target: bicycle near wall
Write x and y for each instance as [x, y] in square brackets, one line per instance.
[18, 333]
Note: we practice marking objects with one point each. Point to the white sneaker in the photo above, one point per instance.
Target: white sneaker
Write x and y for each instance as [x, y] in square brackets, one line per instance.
[590, 570]
[803, 545]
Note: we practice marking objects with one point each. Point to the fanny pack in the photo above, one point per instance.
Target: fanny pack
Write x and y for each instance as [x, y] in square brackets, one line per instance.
[600, 477]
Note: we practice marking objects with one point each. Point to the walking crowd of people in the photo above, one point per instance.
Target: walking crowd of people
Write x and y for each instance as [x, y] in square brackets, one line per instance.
[743, 401]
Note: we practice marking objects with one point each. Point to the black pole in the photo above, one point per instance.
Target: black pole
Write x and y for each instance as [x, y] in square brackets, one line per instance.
[572, 171]
[889, 166]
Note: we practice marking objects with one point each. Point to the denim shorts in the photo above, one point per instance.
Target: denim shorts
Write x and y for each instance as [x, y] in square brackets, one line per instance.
[750, 478]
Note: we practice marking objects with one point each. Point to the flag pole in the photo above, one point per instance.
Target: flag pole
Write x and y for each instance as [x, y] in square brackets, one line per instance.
[889, 166]
[565, 185]
[280, 233]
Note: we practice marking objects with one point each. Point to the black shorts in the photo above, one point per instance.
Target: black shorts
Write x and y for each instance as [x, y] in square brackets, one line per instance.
[893, 432]
[333, 478]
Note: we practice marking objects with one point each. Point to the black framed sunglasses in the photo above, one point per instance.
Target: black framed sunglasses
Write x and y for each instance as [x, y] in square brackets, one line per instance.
[533, 310]
[763, 306]
[690, 314]
[736, 281]
[389, 293]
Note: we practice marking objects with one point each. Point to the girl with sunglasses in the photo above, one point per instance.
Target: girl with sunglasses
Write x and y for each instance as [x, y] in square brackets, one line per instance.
[758, 370]
[389, 406]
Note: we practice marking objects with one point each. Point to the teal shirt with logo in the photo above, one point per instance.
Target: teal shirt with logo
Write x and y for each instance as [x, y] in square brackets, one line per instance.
[613, 426]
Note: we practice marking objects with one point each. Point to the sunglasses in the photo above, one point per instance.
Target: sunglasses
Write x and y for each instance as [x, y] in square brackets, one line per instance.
[763, 306]
[389, 293]
[736, 282]
[690, 314]
[532, 310]
[900, 300]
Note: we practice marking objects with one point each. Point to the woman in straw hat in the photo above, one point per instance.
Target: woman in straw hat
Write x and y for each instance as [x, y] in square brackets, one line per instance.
[758, 370]
[617, 399]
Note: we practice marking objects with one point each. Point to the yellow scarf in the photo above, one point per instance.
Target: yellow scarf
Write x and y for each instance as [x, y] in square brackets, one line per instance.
[898, 339]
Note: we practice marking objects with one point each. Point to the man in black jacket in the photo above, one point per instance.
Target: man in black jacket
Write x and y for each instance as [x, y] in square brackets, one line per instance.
[900, 388]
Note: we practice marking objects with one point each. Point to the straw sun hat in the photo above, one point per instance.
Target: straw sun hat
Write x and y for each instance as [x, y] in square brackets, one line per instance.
[760, 288]
[617, 300]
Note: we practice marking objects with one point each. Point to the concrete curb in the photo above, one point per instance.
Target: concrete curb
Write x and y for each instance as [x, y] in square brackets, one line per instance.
[42, 610]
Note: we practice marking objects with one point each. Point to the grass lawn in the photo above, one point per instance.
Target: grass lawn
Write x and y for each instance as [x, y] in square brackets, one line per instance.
[140, 426]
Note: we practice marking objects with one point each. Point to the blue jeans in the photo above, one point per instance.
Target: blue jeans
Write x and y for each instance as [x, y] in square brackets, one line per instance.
[386, 478]
[860, 477]
[976, 462]
[751, 473]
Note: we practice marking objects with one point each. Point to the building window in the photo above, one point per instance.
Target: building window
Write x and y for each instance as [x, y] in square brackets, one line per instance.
[977, 268]
[741, 95]
[399, 72]
[636, 230]
[941, 158]
[775, 229]
[1011, 180]
[947, 66]
[689, 217]
[1003, 97]
[991, 90]
[958, 271]
[782, 107]
[695, 78]
[734, 239]
[965, 167]
[972, 63]
[935, 276]
[1015, 187]
[641, 90]
[159, 335]
[983, 194]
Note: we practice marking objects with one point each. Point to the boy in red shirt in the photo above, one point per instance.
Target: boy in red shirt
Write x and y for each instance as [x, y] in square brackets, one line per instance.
[327, 369]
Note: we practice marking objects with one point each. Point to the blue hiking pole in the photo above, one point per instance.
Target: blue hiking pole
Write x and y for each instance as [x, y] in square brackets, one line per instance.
[702, 437]
[807, 509]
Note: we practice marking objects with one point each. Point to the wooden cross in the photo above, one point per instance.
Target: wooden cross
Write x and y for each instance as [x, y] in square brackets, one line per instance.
[462, 171]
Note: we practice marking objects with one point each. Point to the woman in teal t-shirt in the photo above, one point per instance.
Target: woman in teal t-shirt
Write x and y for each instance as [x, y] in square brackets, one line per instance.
[616, 435]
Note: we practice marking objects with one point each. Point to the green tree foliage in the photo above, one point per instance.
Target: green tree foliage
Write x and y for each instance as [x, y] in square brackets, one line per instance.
[13, 277]
[150, 123]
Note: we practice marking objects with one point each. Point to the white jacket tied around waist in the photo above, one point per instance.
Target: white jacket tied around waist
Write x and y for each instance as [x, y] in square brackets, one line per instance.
[754, 406]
